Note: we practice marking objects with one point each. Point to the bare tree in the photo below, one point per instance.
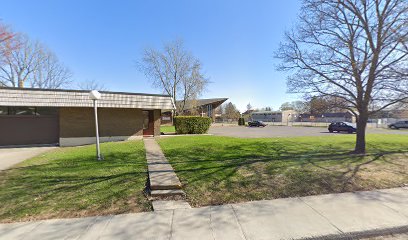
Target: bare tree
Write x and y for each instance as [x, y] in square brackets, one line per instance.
[20, 63]
[92, 85]
[249, 107]
[50, 73]
[175, 71]
[328, 104]
[31, 63]
[298, 106]
[192, 86]
[355, 50]
[8, 42]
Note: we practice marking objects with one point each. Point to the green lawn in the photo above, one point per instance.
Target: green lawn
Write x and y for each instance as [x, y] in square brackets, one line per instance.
[167, 129]
[69, 182]
[217, 170]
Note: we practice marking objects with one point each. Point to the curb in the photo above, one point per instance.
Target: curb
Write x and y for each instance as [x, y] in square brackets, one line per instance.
[181, 135]
[362, 234]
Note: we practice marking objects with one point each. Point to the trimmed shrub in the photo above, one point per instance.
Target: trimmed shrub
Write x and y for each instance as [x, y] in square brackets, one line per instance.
[241, 122]
[192, 124]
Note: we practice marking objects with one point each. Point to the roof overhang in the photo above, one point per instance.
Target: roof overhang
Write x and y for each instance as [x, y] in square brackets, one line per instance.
[77, 98]
[190, 104]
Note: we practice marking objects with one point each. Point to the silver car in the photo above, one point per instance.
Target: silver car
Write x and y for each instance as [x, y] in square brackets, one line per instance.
[399, 124]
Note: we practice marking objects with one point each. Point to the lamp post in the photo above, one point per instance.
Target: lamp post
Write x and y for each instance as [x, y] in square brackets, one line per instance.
[95, 96]
[287, 120]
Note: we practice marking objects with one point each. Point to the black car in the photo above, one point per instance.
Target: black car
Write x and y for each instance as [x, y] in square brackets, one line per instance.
[256, 124]
[341, 127]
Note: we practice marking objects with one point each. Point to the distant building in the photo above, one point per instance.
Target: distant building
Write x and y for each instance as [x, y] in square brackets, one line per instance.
[273, 116]
[292, 116]
[326, 117]
[199, 107]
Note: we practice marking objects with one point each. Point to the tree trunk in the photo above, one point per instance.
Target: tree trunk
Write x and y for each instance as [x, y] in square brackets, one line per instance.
[20, 84]
[360, 147]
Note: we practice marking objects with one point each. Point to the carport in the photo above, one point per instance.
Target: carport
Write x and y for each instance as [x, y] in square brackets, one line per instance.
[24, 126]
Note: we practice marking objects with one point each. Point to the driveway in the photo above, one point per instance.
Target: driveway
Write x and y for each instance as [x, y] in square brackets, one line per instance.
[285, 131]
[12, 156]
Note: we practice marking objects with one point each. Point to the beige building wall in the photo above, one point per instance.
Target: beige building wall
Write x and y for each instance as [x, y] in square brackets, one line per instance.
[288, 116]
[77, 126]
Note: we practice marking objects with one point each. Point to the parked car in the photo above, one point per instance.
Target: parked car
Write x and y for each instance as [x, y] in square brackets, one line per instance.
[399, 124]
[256, 124]
[341, 127]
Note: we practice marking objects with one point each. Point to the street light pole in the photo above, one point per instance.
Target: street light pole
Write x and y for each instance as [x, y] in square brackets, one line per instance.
[95, 96]
[287, 120]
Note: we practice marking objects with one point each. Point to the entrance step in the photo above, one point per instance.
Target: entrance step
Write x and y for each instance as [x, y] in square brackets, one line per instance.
[170, 205]
[163, 181]
[167, 193]
[165, 186]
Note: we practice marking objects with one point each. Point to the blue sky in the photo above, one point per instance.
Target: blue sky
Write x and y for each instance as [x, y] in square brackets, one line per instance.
[102, 40]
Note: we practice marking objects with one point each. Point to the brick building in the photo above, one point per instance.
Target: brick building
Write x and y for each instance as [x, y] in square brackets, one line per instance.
[199, 107]
[66, 117]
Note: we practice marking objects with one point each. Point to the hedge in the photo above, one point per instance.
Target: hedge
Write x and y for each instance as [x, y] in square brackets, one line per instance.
[241, 121]
[192, 124]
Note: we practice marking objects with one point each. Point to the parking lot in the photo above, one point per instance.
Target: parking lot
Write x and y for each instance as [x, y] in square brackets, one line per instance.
[285, 131]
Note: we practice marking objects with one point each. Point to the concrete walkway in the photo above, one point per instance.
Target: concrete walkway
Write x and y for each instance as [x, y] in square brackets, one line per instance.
[330, 216]
[12, 156]
[163, 179]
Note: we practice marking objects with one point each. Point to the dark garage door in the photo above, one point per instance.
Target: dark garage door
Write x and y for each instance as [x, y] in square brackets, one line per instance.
[25, 130]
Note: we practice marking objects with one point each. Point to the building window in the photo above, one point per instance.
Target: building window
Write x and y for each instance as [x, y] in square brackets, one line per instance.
[21, 111]
[41, 111]
[45, 111]
[3, 111]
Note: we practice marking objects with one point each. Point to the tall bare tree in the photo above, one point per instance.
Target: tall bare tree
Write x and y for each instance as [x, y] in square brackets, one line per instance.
[175, 71]
[21, 63]
[355, 50]
[92, 85]
[50, 72]
[192, 86]
[8, 41]
[34, 65]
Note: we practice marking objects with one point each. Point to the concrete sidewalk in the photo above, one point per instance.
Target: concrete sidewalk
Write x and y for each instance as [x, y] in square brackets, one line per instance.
[330, 216]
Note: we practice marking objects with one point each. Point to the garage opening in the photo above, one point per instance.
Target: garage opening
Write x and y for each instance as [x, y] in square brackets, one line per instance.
[28, 126]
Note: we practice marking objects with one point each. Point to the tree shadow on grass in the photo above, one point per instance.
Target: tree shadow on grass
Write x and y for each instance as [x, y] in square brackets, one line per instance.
[73, 185]
[258, 170]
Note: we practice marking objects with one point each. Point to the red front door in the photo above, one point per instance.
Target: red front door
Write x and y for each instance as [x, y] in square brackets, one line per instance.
[148, 123]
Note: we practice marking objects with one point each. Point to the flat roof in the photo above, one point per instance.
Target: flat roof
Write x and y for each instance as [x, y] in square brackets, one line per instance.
[36, 97]
[83, 91]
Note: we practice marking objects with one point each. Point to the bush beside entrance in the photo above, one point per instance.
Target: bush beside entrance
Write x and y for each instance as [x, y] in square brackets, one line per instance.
[192, 124]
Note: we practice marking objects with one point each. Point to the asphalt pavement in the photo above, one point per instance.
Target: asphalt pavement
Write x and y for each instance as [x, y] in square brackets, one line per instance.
[286, 131]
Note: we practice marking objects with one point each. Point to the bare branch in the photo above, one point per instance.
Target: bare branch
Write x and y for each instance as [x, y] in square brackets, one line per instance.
[175, 71]
[350, 49]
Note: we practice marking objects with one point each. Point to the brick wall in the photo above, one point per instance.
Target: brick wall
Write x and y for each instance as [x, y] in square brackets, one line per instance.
[79, 122]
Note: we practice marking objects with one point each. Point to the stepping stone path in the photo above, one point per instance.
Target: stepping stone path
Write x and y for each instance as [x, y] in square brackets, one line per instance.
[164, 183]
